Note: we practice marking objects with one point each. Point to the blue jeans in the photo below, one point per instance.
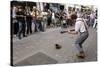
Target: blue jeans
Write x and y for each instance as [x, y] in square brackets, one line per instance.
[36, 25]
[91, 22]
[80, 40]
[21, 28]
[40, 26]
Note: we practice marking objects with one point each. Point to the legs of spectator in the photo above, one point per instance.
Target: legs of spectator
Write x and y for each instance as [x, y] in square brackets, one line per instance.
[43, 26]
[19, 30]
[36, 26]
[23, 29]
[29, 27]
[40, 26]
[91, 22]
[54, 22]
[95, 23]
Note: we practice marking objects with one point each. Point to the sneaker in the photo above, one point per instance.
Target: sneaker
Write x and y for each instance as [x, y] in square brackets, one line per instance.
[81, 55]
[24, 35]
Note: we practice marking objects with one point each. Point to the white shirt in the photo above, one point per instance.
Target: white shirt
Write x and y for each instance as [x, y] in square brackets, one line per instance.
[78, 14]
[92, 16]
[79, 25]
[53, 16]
[14, 12]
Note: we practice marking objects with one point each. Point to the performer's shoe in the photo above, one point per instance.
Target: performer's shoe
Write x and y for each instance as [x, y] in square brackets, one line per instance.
[81, 55]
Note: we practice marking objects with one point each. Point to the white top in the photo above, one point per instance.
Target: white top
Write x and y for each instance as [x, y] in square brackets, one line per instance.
[14, 12]
[92, 16]
[79, 25]
[78, 14]
[53, 16]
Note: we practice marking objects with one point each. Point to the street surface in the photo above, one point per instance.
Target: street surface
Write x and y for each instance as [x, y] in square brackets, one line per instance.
[44, 43]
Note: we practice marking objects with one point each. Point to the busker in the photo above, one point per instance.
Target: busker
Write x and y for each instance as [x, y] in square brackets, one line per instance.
[81, 28]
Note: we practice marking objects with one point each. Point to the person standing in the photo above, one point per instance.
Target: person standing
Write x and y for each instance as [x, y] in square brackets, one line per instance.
[53, 19]
[14, 21]
[21, 22]
[39, 20]
[34, 15]
[44, 21]
[49, 18]
[81, 28]
[28, 20]
[63, 18]
[92, 18]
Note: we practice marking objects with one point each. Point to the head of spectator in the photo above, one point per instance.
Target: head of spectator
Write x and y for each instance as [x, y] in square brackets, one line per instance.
[34, 8]
[19, 8]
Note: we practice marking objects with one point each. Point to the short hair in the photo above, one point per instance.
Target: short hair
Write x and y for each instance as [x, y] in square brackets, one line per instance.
[73, 16]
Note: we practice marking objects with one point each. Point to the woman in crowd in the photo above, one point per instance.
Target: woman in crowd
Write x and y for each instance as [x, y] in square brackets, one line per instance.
[34, 18]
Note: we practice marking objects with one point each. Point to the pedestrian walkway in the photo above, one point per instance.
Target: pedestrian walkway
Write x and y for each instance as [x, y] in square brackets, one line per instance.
[44, 43]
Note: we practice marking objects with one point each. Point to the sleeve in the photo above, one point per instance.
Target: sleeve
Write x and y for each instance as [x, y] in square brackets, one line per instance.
[77, 26]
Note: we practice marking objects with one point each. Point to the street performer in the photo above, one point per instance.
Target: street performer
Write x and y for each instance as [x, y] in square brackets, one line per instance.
[81, 28]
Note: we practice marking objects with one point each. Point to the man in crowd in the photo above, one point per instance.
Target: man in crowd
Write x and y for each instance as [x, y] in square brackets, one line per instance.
[21, 22]
[28, 20]
[92, 18]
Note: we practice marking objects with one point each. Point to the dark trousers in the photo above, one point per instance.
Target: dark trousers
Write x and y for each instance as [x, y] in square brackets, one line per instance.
[49, 21]
[15, 27]
[69, 22]
[36, 26]
[91, 22]
[22, 27]
[29, 26]
[40, 27]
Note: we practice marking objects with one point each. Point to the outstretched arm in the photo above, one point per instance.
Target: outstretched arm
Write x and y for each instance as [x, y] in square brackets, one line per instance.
[72, 29]
[73, 32]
